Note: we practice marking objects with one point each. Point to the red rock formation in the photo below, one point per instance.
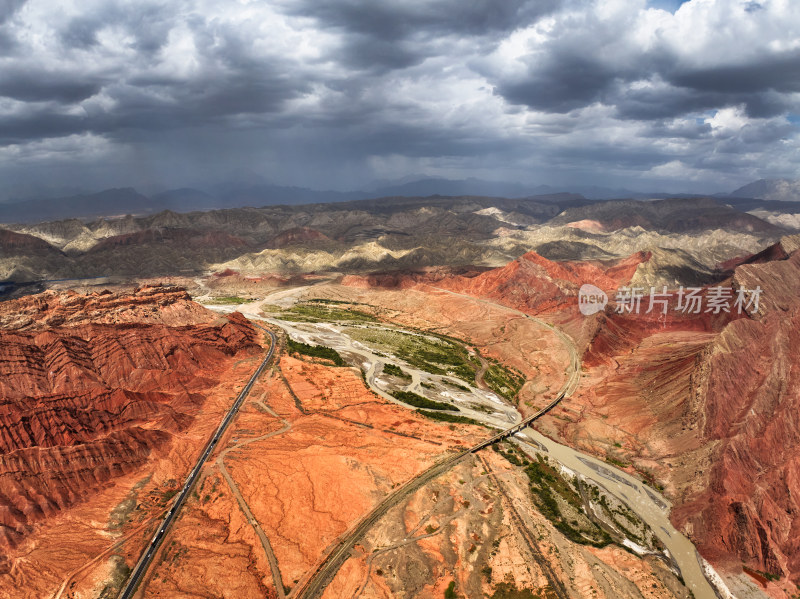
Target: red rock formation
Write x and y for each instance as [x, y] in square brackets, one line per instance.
[535, 284]
[91, 385]
[779, 281]
[776, 252]
[751, 399]
[718, 396]
[404, 279]
[612, 333]
[716, 389]
[19, 242]
[170, 306]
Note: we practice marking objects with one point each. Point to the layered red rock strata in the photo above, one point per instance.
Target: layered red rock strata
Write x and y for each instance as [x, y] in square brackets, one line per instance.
[91, 385]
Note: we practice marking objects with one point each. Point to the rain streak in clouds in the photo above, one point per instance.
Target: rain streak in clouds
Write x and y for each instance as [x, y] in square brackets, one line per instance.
[697, 95]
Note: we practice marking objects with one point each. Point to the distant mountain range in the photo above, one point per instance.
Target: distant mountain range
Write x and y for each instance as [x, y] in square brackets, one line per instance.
[783, 190]
[110, 202]
[384, 234]
[249, 191]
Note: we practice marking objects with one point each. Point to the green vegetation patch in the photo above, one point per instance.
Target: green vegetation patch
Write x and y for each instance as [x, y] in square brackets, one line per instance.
[167, 495]
[447, 417]
[508, 590]
[432, 353]
[394, 370]
[230, 299]
[616, 461]
[546, 483]
[440, 355]
[622, 517]
[418, 401]
[315, 351]
[512, 456]
[122, 512]
[649, 479]
[503, 381]
[316, 312]
[333, 302]
[450, 591]
[120, 571]
[766, 576]
[459, 387]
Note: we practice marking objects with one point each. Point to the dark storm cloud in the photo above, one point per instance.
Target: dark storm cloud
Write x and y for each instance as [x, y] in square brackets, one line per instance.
[667, 100]
[8, 8]
[40, 86]
[382, 19]
[36, 126]
[686, 129]
[761, 87]
[149, 25]
[231, 82]
[661, 101]
[305, 85]
[561, 83]
[173, 104]
[390, 35]
[228, 81]
[366, 52]
[780, 73]
[588, 61]
[565, 80]
[8, 42]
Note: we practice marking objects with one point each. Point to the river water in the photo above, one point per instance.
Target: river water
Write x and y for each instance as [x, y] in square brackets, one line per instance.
[646, 503]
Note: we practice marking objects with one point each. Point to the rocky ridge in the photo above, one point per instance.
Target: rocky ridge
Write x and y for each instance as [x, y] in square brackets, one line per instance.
[92, 386]
[392, 233]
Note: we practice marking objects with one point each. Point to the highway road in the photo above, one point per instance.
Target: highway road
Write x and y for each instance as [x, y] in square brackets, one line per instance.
[645, 503]
[152, 548]
[325, 572]
[314, 584]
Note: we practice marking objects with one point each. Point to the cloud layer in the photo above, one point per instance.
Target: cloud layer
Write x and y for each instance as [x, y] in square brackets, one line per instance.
[333, 93]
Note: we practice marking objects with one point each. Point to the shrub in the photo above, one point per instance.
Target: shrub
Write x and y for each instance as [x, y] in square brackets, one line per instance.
[315, 351]
[393, 370]
[418, 401]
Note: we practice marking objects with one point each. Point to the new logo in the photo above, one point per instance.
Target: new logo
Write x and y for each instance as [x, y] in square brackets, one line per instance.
[591, 299]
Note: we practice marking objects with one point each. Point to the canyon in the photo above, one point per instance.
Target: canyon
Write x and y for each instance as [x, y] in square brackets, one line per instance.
[111, 388]
[96, 390]
[704, 406]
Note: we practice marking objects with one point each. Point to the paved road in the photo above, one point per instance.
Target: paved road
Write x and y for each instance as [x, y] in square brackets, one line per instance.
[127, 537]
[324, 573]
[152, 548]
[314, 584]
[647, 504]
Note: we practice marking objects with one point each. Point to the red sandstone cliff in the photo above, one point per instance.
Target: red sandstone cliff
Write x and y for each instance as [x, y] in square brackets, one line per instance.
[725, 387]
[535, 284]
[92, 385]
[750, 394]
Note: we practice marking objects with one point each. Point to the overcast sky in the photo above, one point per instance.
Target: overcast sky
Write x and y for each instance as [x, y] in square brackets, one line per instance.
[700, 95]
